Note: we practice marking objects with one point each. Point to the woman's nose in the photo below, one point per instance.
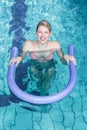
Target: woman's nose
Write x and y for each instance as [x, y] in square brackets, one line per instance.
[42, 34]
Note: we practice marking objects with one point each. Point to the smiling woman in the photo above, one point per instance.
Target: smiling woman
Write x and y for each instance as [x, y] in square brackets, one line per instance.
[42, 64]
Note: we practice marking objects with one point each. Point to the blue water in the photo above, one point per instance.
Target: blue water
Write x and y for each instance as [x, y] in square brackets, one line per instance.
[18, 20]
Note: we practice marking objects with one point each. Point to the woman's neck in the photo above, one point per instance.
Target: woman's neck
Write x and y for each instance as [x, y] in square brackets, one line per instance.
[42, 45]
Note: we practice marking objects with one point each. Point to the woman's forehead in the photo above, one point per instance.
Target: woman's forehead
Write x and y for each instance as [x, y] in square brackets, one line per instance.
[42, 27]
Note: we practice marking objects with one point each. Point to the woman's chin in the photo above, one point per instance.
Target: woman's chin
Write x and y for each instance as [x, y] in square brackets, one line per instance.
[43, 41]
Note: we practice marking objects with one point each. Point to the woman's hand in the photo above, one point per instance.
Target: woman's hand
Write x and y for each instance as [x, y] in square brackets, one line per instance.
[70, 58]
[16, 60]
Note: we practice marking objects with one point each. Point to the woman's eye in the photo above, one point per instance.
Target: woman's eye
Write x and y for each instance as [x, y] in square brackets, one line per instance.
[39, 32]
[46, 32]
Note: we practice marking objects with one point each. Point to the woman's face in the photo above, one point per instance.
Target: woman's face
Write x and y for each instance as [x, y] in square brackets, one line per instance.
[43, 34]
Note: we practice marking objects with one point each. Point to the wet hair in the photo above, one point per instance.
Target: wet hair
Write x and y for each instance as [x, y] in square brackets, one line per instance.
[44, 23]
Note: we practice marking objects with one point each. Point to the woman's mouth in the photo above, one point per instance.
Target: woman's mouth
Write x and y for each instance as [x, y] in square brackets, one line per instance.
[43, 39]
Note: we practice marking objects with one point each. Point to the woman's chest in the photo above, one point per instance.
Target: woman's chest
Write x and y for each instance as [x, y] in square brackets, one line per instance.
[42, 54]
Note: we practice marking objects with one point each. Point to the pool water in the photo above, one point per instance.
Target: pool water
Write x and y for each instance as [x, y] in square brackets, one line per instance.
[18, 20]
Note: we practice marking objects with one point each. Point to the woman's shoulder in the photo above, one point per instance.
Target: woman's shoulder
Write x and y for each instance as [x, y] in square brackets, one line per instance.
[56, 44]
[28, 42]
[28, 45]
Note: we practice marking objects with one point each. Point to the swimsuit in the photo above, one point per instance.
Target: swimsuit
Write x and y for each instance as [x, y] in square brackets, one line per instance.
[40, 65]
[41, 58]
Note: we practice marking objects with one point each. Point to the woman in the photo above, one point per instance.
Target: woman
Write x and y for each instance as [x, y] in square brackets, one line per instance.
[42, 65]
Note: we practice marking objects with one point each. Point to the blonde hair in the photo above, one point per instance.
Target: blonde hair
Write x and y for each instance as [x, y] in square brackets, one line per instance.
[44, 23]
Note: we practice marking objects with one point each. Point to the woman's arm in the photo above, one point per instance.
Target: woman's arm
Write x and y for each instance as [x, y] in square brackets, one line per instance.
[70, 58]
[18, 59]
[65, 58]
[61, 55]
[23, 54]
